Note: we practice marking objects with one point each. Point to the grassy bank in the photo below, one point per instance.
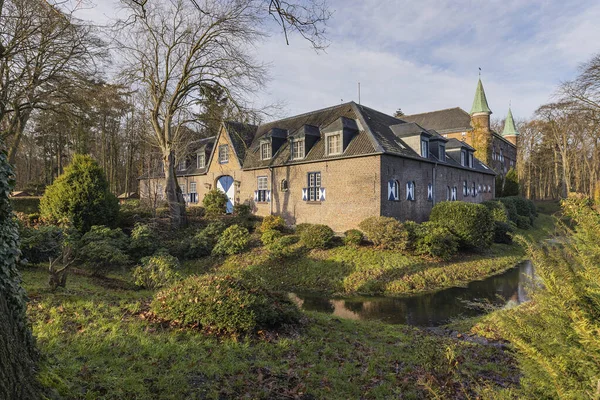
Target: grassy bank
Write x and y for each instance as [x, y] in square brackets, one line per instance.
[346, 270]
[98, 343]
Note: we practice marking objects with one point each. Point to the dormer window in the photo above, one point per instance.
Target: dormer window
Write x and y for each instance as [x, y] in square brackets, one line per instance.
[470, 160]
[442, 152]
[463, 158]
[182, 165]
[334, 144]
[265, 151]
[424, 148]
[201, 160]
[298, 149]
[223, 154]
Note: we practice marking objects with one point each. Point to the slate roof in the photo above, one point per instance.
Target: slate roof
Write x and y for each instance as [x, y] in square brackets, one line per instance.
[241, 136]
[444, 121]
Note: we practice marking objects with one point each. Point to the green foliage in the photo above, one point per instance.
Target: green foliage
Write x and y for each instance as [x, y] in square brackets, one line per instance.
[386, 233]
[143, 241]
[520, 207]
[269, 236]
[233, 240]
[353, 237]
[316, 236]
[281, 247]
[471, 223]
[224, 304]
[102, 249]
[80, 196]
[27, 205]
[215, 203]
[436, 242]
[300, 227]
[41, 243]
[511, 184]
[523, 222]
[511, 208]
[556, 334]
[195, 211]
[272, 222]
[132, 212]
[503, 232]
[242, 210]
[214, 229]
[498, 210]
[156, 271]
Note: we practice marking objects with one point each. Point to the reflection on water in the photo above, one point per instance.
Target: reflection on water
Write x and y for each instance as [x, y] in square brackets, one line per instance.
[427, 309]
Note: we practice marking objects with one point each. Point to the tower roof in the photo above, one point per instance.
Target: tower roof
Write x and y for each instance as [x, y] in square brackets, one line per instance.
[509, 125]
[480, 104]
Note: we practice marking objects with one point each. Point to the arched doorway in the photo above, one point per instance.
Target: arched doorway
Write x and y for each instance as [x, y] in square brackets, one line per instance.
[225, 184]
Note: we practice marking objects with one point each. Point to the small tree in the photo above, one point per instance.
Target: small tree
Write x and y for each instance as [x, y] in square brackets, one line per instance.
[80, 196]
[511, 184]
[215, 202]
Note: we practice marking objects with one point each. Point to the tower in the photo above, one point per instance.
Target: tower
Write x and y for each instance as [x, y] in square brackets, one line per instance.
[480, 120]
[510, 131]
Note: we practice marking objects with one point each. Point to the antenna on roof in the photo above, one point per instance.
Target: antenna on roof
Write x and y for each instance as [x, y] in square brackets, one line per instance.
[358, 92]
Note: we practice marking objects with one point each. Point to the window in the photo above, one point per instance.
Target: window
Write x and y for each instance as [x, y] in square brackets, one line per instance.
[470, 160]
[463, 156]
[501, 155]
[297, 149]
[223, 154]
[182, 186]
[193, 193]
[201, 160]
[424, 148]
[430, 192]
[182, 165]
[465, 189]
[442, 153]
[314, 186]
[448, 193]
[410, 191]
[263, 188]
[454, 193]
[489, 189]
[265, 151]
[284, 185]
[334, 144]
[473, 190]
[393, 190]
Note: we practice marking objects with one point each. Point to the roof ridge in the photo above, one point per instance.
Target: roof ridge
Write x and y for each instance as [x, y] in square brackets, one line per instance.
[308, 113]
[434, 111]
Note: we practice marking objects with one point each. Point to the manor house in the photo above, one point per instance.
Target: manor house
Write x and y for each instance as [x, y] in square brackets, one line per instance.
[342, 164]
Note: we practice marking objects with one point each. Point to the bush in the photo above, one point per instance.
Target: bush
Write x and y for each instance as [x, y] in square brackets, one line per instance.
[242, 210]
[215, 202]
[523, 222]
[195, 211]
[502, 232]
[316, 236]
[511, 184]
[301, 227]
[214, 230]
[272, 222]
[41, 243]
[80, 196]
[143, 241]
[511, 208]
[520, 206]
[103, 248]
[132, 212]
[498, 210]
[224, 304]
[353, 237]
[385, 232]
[269, 236]
[282, 246]
[471, 223]
[234, 240]
[156, 271]
[436, 241]
[26, 205]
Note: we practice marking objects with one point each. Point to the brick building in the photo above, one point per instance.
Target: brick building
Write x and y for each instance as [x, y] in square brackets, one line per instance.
[340, 165]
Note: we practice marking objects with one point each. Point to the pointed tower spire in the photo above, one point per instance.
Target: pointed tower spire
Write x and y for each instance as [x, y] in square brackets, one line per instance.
[509, 125]
[480, 104]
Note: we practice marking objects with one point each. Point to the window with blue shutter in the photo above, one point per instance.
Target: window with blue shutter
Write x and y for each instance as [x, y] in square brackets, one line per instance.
[430, 192]
[454, 193]
[473, 190]
[393, 190]
[465, 189]
[314, 191]
[410, 191]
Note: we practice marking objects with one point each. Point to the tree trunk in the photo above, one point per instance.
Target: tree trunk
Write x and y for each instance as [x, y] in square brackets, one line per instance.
[173, 192]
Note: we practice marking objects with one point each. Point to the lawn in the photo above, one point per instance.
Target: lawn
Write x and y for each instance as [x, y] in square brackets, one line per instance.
[344, 270]
[98, 342]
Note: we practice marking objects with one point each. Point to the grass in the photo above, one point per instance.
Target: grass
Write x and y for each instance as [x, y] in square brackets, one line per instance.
[365, 270]
[98, 343]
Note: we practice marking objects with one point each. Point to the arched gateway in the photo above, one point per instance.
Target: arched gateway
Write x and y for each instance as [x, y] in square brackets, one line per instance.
[225, 184]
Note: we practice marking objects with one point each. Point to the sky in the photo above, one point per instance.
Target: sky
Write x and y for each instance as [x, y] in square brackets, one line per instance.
[425, 55]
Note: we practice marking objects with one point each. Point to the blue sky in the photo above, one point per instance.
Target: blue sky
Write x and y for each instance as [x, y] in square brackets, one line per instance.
[424, 55]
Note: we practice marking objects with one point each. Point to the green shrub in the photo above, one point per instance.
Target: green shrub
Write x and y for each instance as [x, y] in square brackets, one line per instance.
[282, 246]
[102, 249]
[412, 234]
[511, 208]
[436, 241]
[132, 212]
[143, 241]
[195, 211]
[215, 202]
[385, 232]
[41, 243]
[502, 232]
[162, 212]
[26, 205]
[234, 240]
[498, 210]
[214, 229]
[156, 271]
[353, 237]
[523, 222]
[224, 304]
[471, 223]
[242, 210]
[316, 236]
[511, 184]
[269, 236]
[301, 227]
[80, 196]
[272, 222]
[525, 207]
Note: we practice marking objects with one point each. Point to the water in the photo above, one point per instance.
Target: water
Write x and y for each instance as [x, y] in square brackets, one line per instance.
[427, 310]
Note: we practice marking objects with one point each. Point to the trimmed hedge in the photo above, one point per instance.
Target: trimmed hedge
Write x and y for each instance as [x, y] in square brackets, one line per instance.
[353, 237]
[471, 223]
[436, 241]
[498, 210]
[224, 304]
[316, 236]
[386, 233]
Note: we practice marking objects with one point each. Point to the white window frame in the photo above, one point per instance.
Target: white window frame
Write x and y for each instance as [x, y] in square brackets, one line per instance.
[424, 148]
[465, 189]
[182, 165]
[297, 145]
[470, 157]
[262, 186]
[265, 151]
[223, 154]
[201, 156]
[395, 186]
[338, 136]
[411, 194]
[463, 158]
[284, 186]
[314, 186]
